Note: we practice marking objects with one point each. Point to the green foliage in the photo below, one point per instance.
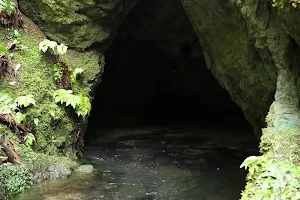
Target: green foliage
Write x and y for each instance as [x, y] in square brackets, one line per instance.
[11, 105]
[7, 6]
[19, 117]
[6, 103]
[57, 49]
[4, 50]
[25, 100]
[283, 3]
[57, 69]
[75, 74]
[248, 161]
[17, 40]
[84, 106]
[29, 139]
[14, 179]
[271, 178]
[36, 121]
[81, 104]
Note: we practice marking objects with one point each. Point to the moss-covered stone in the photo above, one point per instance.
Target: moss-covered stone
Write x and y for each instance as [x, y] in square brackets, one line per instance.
[76, 23]
[239, 62]
[92, 64]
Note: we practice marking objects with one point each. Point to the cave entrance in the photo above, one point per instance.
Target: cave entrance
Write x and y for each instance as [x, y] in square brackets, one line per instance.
[156, 76]
[156, 73]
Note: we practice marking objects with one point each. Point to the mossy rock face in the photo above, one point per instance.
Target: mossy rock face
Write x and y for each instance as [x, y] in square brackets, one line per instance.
[77, 23]
[289, 18]
[55, 128]
[236, 52]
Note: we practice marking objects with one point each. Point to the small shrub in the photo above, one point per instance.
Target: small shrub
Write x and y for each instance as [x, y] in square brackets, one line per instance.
[14, 179]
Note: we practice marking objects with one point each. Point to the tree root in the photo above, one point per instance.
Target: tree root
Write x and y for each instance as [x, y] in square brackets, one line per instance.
[8, 118]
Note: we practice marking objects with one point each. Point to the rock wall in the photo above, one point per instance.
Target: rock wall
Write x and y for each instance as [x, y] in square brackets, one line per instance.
[236, 53]
[79, 23]
[251, 48]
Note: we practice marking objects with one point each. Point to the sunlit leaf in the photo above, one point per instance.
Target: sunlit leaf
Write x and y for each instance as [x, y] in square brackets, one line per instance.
[19, 117]
[248, 161]
[29, 139]
[75, 74]
[4, 50]
[25, 100]
[36, 121]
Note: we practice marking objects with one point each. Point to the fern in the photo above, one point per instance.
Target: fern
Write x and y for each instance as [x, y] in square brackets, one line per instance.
[76, 73]
[11, 105]
[62, 95]
[57, 49]
[81, 104]
[84, 107]
[7, 6]
[25, 101]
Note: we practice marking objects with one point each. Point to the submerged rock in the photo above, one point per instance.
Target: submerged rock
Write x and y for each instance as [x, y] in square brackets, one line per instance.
[85, 169]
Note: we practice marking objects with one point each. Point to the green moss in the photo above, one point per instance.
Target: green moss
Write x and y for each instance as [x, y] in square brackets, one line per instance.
[62, 22]
[14, 179]
[54, 131]
[92, 63]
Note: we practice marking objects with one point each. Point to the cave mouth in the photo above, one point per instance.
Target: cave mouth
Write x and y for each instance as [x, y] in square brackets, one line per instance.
[156, 74]
[160, 120]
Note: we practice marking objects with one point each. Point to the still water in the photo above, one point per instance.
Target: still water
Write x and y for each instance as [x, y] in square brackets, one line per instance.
[157, 163]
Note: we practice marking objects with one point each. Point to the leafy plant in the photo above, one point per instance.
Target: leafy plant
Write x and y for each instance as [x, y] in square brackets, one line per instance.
[80, 103]
[57, 49]
[7, 6]
[76, 73]
[271, 178]
[6, 103]
[283, 3]
[11, 105]
[36, 121]
[248, 161]
[29, 139]
[57, 69]
[4, 50]
[25, 100]
[19, 117]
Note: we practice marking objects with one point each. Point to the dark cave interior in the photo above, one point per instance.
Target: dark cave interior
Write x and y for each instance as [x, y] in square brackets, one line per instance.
[156, 73]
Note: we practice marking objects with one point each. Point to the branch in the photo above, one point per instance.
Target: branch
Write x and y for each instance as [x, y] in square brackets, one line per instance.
[8, 118]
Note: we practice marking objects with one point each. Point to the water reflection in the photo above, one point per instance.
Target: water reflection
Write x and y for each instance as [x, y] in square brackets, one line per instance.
[156, 163]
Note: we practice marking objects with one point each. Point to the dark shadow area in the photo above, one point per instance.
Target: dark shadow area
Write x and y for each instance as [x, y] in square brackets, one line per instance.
[160, 120]
[156, 73]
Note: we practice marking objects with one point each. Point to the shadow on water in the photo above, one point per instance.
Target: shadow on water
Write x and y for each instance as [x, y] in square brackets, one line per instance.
[160, 163]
